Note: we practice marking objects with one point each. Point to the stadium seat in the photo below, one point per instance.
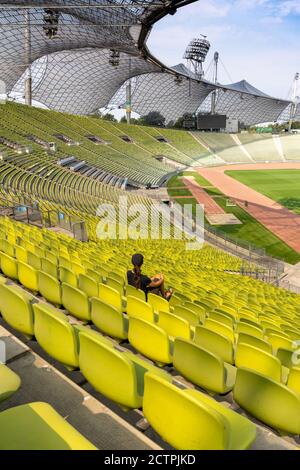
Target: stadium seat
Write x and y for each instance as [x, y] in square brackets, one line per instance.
[16, 309]
[173, 325]
[67, 276]
[114, 284]
[254, 341]
[49, 288]
[133, 292]
[286, 357]
[189, 315]
[33, 260]
[55, 335]
[221, 318]
[9, 266]
[110, 296]
[88, 285]
[190, 420]
[150, 340]
[139, 309]
[200, 311]
[28, 276]
[76, 302]
[158, 303]
[10, 382]
[115, 374]
[276, 405]
[49, 268]
[218, 344]
[280, 341]
[219, 328]
[202, 367]
[37, 426]
[109, 319]
[251, 357]
[242, 327]
[294, 379]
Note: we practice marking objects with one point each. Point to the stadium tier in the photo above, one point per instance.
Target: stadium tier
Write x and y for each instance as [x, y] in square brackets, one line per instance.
[220, 331]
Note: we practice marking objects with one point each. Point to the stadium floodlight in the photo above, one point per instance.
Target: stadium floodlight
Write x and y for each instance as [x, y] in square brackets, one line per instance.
[196, 53]
[51, 18]
[114, 57]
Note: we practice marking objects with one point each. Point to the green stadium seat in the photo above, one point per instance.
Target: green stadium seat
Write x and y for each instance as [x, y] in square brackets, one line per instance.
[150, 340]
[139, 309]
[268, 400]
[251, 357]
[9, 382]
[88, 285]
[55, 335]
[16, 309]
[9, 266]
[218, 344]
[109, 319]
[117, 375]
[50, 288]
[190, 420]
[76, 302]
[37, 426]
[202, 367]
[28, 276]
[110, 296]
[173, 325]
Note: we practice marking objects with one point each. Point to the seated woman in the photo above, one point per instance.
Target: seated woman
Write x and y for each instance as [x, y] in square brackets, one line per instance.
[154, 284]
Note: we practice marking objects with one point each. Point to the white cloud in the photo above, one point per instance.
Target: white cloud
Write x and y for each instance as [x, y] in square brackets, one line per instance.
[289, 7]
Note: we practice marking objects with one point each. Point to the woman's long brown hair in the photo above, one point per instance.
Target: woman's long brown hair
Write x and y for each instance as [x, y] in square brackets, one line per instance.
[137, 277]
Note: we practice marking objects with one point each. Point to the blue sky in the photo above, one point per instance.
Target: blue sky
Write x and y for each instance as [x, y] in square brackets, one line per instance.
[258, 40]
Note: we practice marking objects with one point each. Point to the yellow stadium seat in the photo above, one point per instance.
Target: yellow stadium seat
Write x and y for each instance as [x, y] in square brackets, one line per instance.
[158, 303]
[49, 268]
[139, 309]
[294, 379]
[218, 344]
[49, 288]
[76, 302]
[21, 254]
[220, 328]
[133, 292]
[9, 266]
[250, 357]
[173, 325]
[28, 276]
[254, 341]
[109, 319]
[16, 309]
[110, 296]
[10, 382]
[88, 285]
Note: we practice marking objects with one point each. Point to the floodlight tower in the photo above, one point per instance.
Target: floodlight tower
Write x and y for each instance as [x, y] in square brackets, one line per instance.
[294, 100]
[215, 81]
[196, 53]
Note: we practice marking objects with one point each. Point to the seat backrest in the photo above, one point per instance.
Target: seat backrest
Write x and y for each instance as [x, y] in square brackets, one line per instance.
[280, 341]
[220, 345]
[55, 334]
[200, 311]
[181, 420]
[77, 268]
[242, 327]
[276, 405]
[158, 303]
[110, 296]
[21, 254]
[88, 285]
[133, 292]
[76, 302]
[220, 328]
[49, 288]
[294, 379]
[221, 318]
[28, 276]
[48, 267]
[8, 248]
[16, 308]
[287, 357]
[109, 371]
[174, 325]
[189, 315]
[200, 366]
[109, 319]
[9, 266]
[250, 357]
[111, 282]
[254, 341]
[67, 276]
[139, 309]
[33, 260]
[150, 340]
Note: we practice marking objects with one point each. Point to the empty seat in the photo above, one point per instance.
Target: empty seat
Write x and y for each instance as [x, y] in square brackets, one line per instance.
[33, 260]
[110, 296]
[9, 382]
[173, 325]
[37, 426]
[268, 400]
[250, 357]
[49, 268]
[109, 319]
[55, 334]
[294, 379]
[88, 285]
[49, 288]
[254, 341]
[221, 318]
[150, 340]
[76, 302]
[65, 275]
[200, 311]
[16, 308]
[21, 254]
[9, 266]
[139, 309]
[214, 342]
[219, 328]
[189, 315]
[286, 357]
[280, 341]
[133, 292]
[28, 276]
[203, 367]
[115, 285]
[115, 374]
[158, 303]
[188, 419]
[252, 330]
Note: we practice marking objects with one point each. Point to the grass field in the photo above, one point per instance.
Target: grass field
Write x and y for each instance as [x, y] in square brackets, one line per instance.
[250, 231]
[282, 186]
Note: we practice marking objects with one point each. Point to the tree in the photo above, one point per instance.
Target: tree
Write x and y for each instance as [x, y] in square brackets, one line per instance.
[154, 118]
[109, 117]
